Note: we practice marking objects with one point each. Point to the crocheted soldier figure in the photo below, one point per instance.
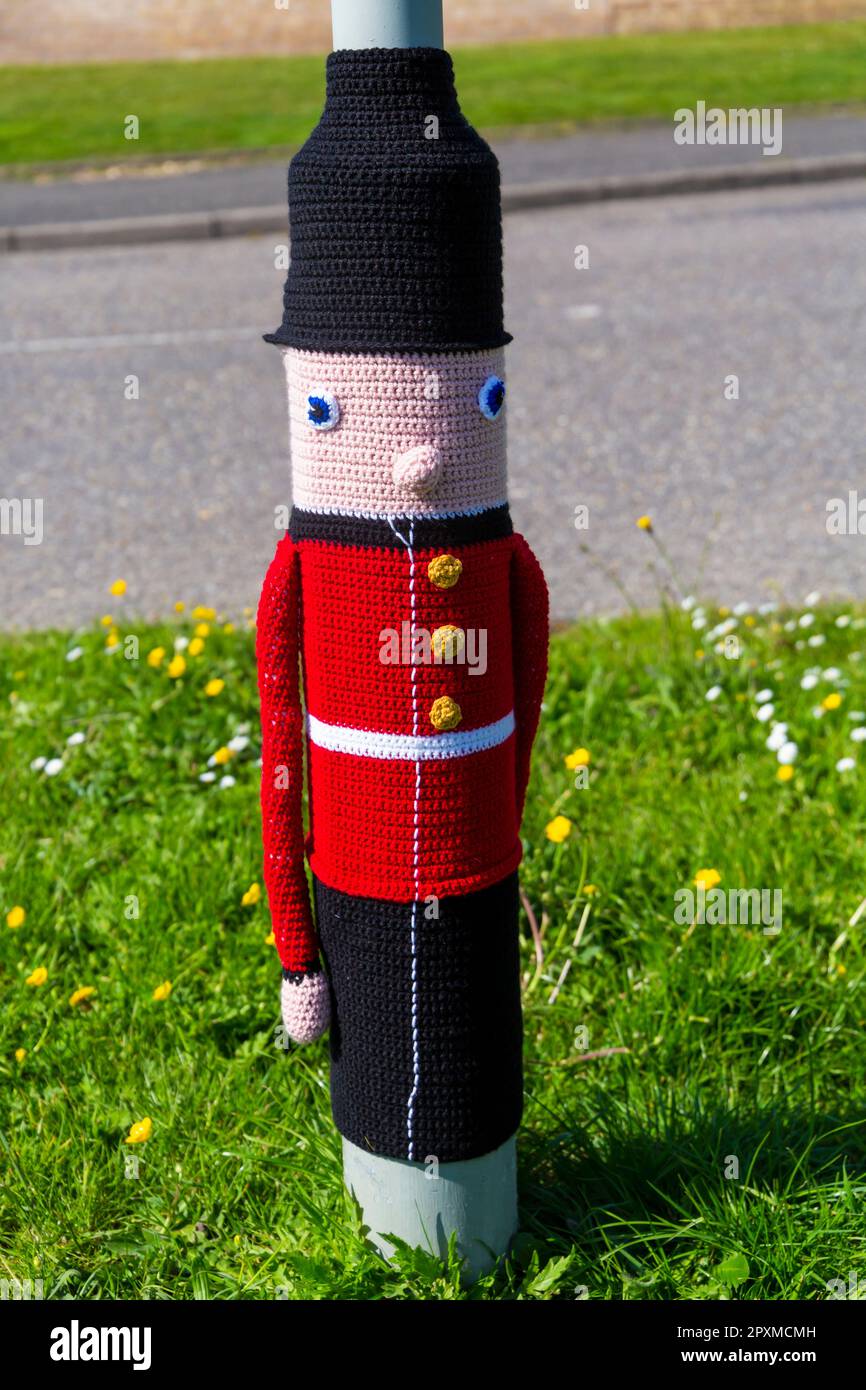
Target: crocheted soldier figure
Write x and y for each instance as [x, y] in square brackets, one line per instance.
[415, 616]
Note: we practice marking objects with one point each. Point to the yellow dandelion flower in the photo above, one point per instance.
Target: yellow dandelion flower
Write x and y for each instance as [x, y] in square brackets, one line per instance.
[196, 647]
[179, 605]
[112, 638]
[107, 620]
[20, 1054]
[222, 756]
[707, 879]
[724, 611]
[140, 1132]
[203, 615]
[750, 621]
[590, 889]
[831, 701]
[38, 977]
[176, 666]
[251, 896]
[699, 654]
[785, 773]
[202, 630]
[15, 917]
[215, 687]
[156, 656]
[841, 969]
[118, 588]
[579, 758]
[228, 628]
[270, 939]
[558, 829]
[644, 523]
[162, 991]
[79, 995]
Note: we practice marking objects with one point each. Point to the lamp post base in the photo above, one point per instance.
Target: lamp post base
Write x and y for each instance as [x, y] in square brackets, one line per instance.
[424, 1206]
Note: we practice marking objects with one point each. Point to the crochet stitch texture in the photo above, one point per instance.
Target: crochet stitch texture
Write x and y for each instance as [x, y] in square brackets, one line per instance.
[414, 754]
[396, 236]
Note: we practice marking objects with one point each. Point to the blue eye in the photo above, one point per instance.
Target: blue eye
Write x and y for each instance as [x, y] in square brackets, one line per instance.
[491, 397]
[323, 411]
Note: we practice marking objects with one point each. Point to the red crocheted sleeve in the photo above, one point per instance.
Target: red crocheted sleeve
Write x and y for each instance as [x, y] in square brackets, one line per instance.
[277, 644]
[530, 624]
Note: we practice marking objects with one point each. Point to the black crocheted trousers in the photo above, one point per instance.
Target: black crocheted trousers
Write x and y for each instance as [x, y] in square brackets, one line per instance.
[426, 1033]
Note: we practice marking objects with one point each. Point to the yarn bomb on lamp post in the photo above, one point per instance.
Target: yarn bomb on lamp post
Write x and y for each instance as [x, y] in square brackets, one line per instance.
[417, 768]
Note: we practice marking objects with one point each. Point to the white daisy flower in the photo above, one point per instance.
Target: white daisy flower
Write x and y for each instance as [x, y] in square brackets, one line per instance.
[807, 620]
[811, 599]
[778, 736]
[74, 653]
[764, 713]
[763, 696]
[713, 693]
[238, 743]
[859, 735]
[809, 681]
[857, 715]
[688, 603]
[53, 766]
[817, 640]
[818, 712]
[741, 608]
[698, 622]
[787, 753]
[766, 608]
[832, 673]
[845, 765]
[181, 644]
[843, 620]
[38, 763]
[207, 777]
[74, 739]
[227, 781]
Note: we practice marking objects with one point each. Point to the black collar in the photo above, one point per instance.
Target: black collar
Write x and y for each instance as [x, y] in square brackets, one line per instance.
[426, 532]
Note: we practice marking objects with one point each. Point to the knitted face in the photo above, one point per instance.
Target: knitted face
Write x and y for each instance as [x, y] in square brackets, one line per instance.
[415, 435]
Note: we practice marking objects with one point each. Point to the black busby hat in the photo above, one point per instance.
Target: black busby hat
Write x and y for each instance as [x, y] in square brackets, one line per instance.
[394, 215]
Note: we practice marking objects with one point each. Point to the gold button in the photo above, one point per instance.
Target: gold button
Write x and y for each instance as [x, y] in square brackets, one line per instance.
[444, 571]
[448, 642]
[445, 713]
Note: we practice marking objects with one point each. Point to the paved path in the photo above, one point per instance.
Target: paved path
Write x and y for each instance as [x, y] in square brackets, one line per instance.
[615, 401]
[593, 153]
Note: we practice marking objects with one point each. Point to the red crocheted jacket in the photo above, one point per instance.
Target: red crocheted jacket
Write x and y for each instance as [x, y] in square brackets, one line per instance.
[386, 821]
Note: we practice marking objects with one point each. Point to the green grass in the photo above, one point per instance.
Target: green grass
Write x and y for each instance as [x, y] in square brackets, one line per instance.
[736, 1043]
[78, 113]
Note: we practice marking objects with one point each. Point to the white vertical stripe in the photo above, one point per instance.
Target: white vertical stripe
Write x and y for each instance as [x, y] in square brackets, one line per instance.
[416, 851]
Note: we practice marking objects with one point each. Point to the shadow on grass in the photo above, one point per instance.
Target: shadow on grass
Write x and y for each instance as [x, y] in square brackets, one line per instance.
[669, 1191]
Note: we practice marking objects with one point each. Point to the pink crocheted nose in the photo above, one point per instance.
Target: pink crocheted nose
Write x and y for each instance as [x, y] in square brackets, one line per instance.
[418, 470]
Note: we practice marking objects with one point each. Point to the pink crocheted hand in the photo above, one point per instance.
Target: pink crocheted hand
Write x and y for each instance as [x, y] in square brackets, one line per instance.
[306, 1007]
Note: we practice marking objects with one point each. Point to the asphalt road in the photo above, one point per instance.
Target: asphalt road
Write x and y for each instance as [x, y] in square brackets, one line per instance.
[616, 402]
[596, 152]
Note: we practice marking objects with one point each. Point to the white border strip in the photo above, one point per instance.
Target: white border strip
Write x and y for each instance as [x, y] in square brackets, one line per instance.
[336, 738]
